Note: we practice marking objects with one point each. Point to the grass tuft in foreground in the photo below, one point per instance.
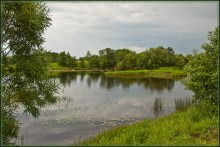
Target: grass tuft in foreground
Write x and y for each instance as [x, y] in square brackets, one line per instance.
[197, 125]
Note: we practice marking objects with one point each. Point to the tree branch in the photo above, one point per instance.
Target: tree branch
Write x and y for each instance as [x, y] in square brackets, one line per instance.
[6, 28]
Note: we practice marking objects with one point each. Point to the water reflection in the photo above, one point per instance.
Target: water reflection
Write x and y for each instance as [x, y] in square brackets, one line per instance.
[67, 78]
[90, 102]
[158, 106]
[92, 77]
[152, 84]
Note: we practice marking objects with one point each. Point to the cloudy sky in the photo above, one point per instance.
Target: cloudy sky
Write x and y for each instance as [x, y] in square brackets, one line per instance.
[81, 26]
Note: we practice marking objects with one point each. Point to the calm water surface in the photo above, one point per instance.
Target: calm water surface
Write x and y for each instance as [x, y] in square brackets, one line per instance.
[90, 102]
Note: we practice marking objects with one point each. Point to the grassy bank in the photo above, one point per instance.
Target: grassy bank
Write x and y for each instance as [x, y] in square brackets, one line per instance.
[56, 72]
[194, 126]
[162, 72]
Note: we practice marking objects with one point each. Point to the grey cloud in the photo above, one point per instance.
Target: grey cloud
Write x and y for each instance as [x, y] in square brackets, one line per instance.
[81, 26]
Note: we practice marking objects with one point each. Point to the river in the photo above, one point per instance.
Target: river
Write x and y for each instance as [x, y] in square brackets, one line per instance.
[90, 102]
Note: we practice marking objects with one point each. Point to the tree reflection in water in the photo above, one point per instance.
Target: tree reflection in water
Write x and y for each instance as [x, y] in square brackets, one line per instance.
[153, 84]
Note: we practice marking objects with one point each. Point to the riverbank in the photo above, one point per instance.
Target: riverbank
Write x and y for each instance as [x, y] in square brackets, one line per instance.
[195, 126]
[162, 72]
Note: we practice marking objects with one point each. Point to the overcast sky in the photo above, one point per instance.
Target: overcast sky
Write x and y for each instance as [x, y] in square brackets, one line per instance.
[81, 26]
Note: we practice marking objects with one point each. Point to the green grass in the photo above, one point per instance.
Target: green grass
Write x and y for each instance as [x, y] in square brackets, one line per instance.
[86, 65]
[162, 72]
[56, 66]
[194, 126]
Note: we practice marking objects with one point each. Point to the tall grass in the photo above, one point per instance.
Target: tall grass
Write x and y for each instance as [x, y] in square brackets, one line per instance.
[182, 104]
[195, 126]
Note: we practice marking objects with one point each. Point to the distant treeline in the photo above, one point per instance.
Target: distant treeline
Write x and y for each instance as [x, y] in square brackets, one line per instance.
[120, 59]
[123, 59]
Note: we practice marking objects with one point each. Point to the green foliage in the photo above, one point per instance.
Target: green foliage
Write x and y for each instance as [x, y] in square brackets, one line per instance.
[120, 54]
[22, 18]
[159, 57]
[190, 127]
[170, 58]
[107, 59]
[55, 66]
[54, 57]
[188, 58]
[66, 60]
[129, 61]
[10, 126]
[26, 83]
[88, 55]
[82, 62]
[202, 73]
[124, 59]
[179, 61]
[95, 62]
[62, 59]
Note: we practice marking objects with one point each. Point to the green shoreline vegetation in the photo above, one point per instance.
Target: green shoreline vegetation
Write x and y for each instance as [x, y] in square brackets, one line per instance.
[193, 126]
[162, 72]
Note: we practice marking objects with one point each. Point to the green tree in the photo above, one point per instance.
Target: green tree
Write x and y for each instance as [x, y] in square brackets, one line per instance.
[152, 60]
[95, 62]
[188, 58]
[169, 56]
[141, 61]
[23, 25]
[160, 56]
[70, 61]
[88, 55]
[82, 62]
[129, 61]
[63, 59]
[120, 54]
[107, 58]
[119, 66]
[54, 56]
[179, 61]
[66, 60]
[202, 73]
